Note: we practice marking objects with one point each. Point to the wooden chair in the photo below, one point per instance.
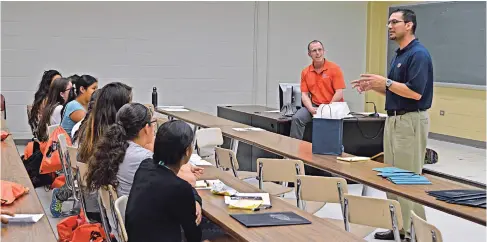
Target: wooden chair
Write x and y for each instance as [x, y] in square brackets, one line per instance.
[313, 192]
[277, 170]
[422, 231]
[374, 212]
[227, 160]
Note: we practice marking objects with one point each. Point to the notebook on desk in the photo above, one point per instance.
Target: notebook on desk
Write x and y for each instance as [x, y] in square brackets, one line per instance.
[269, 219]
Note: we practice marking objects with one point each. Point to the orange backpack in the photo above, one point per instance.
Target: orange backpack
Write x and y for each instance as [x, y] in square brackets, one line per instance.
[77, 229]
[11, 191]
[51, 162]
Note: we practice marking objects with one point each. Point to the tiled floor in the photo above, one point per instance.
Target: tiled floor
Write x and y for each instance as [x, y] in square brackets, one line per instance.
[458, 160]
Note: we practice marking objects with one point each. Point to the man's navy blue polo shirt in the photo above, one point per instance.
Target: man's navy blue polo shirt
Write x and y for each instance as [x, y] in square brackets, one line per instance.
[412, 66]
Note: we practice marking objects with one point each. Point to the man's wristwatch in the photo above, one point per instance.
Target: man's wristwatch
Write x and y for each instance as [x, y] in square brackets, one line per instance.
[388, 83]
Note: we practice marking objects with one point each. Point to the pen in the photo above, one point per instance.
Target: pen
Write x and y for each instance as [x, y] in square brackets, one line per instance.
[262, 207]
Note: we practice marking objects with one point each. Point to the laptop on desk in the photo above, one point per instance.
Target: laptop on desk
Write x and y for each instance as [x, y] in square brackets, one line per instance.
[269, 219]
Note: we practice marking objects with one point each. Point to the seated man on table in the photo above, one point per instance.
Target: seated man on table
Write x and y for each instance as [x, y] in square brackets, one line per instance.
[322, 79]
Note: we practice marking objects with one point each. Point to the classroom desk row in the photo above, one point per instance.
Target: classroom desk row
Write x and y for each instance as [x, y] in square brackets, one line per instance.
[360, 172]
[13, 170]
[215, 209]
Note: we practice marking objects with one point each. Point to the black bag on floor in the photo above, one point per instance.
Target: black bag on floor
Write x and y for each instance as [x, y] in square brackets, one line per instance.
[33, 164]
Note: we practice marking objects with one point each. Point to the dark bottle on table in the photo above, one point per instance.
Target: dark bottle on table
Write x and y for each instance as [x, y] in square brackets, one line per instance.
[154, 97]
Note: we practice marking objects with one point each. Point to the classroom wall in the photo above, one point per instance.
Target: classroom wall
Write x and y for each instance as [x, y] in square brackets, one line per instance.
[464, 109]
[198, 54]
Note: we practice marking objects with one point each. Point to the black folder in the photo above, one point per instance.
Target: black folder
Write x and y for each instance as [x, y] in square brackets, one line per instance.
[269, 219]
[456, 193]
[473, 198]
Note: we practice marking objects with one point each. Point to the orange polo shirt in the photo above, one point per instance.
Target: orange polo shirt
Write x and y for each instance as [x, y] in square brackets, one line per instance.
[322, 85]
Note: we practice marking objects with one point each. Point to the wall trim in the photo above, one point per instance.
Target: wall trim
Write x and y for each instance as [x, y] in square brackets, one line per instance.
[458, 140]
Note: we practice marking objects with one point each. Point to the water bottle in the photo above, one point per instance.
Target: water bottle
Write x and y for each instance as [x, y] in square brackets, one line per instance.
[154, 97]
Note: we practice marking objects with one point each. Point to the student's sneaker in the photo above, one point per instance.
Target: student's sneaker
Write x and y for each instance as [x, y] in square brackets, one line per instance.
[56, 204]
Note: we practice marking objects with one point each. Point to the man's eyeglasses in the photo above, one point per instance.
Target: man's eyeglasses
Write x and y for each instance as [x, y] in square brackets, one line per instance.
[395, 21]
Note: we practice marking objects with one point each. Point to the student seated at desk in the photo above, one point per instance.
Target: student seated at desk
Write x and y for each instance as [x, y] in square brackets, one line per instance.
[110, 99]
[75, 110]
[58, 94]
[40, 99]
[124, 145]
[161, 203]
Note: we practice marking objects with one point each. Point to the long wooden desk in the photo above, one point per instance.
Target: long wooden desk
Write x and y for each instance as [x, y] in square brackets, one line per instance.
[13, 170]
[360, 172]
[216, 210]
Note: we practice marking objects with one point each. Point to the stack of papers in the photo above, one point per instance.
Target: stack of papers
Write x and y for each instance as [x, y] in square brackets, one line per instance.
[217, 187]
[173, 108]
[467, 197]
[353, 158]
[247, 129]
[402, 177]
[250, 201]
[24, 218]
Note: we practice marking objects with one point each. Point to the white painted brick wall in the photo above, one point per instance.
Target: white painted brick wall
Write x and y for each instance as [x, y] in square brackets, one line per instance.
[198, 54]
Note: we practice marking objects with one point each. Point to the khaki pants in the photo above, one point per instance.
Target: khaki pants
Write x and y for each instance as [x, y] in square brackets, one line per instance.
[405, 138]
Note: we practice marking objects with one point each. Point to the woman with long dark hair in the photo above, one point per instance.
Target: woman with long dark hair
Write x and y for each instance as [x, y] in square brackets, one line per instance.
[58, 94]
[40, 98]
[160, 203]
[125, 144]
[110, 99]
[75, 110]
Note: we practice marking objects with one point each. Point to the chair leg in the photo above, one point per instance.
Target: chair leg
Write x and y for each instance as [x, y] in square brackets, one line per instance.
[395, 229]
[413, 232]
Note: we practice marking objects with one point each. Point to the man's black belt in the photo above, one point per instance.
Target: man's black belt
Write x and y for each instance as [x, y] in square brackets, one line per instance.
[401, 112]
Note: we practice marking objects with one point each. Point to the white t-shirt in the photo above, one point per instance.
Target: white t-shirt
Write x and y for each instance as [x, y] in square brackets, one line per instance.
[56, 115]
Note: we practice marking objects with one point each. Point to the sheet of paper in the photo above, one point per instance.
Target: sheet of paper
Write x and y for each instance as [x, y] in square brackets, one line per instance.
[24, 218]
[247, 129]
[164, 107]
[265, 197]
[354, 158]
[206, 184]
[196, 160]
[367, 114]
[175, 109]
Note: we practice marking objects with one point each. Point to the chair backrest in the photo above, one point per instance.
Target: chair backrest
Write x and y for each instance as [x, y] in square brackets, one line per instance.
[279, 170]
[82, 169]
[423, 231]
[120, 206]
[73, 154]
[107, 197]
[226, 158]
[321, 189]
[209, 137]
[374, 212]
[65, 162]
[51, 128]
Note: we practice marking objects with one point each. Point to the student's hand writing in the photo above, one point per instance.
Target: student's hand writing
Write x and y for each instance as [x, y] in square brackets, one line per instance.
[5, 212]
[198, 213]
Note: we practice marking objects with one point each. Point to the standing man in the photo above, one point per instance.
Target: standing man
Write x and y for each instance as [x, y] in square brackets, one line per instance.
[409, 92]
[322, 79]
